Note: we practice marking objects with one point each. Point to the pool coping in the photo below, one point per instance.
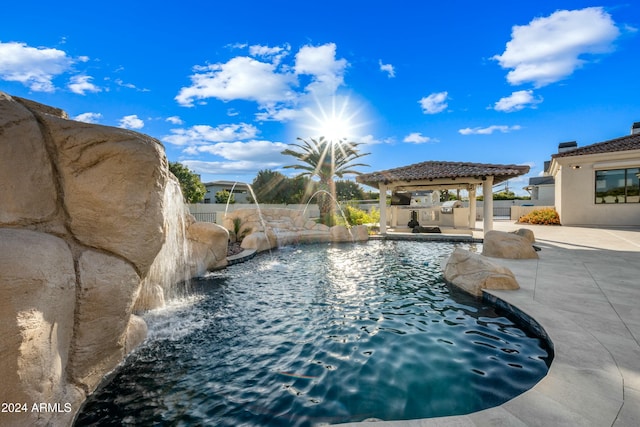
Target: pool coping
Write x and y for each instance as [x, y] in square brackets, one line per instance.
[243, 256]
[594, 379]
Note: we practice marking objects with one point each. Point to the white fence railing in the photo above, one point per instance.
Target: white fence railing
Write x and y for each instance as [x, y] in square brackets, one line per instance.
[206, 216]
[215, 212]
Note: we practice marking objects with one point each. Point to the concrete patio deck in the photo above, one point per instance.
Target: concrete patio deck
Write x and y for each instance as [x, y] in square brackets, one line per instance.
[584, 290]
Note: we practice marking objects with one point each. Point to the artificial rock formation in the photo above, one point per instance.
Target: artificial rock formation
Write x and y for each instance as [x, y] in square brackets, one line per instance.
[517, 245]
[92, 228]
[473, 272]
[265, 229]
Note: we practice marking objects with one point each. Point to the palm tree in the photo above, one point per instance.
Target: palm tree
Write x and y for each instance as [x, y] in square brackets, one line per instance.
[326, 159]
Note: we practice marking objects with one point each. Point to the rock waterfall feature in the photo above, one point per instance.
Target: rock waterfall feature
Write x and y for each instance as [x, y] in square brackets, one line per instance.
[92, 230]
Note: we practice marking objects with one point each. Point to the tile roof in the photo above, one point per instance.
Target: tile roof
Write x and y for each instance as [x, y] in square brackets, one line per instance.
[442, 170]
[625, 143]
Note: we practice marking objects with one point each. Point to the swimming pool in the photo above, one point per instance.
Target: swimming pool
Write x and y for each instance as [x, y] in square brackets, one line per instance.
[322, 334]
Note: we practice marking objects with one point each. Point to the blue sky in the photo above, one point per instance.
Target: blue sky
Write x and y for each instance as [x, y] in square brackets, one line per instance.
[226, 85]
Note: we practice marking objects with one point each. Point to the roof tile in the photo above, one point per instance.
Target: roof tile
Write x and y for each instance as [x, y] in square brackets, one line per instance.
[625, 143]
[440, 170]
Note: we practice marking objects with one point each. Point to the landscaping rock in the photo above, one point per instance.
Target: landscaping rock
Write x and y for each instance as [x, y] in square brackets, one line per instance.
[260, 241]
[288, 226]
[360, 233]
[472, 273]
[526, 233]
[205, 250]
[340, 233]
[499, 244]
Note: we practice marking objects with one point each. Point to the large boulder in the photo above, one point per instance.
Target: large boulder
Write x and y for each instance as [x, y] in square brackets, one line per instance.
[204, 248]
[260, 241]
[360, 233]
[107, 291]
[500, 244]
[527, 234]
[29, 190]
[37, 301]
[92, 225]
[132, 195]
[340, 233]
[473, 273]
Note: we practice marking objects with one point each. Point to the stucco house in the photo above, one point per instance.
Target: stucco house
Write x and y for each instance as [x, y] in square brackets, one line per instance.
[240, 191]
[542, 190]
[598, 184]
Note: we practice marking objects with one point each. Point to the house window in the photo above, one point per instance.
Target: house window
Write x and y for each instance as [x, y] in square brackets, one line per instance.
[618, 186]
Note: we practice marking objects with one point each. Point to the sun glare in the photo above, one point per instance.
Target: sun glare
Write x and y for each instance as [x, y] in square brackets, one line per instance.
[334, 121]
[336, 128]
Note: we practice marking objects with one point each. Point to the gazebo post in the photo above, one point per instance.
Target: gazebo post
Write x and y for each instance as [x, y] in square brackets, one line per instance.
[487, 195]
[472, 206]
[383, 208]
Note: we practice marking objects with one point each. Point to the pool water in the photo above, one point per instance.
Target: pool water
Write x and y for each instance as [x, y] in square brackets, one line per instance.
[321, 334]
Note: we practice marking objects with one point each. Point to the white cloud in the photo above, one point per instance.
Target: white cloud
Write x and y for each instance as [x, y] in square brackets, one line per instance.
[224, 168]
[131, 122]
[321, 64]
[489, 130]
[33, 67]
[517, 101]
[259, 151]
[417, 138]
[274, 54]
[369, 140]
[174, 120]
[205, 134]
[240, 78]
[551, 48]
[279, 114]
[88, 117]
[275, 87]
[388, 68]
[121, 83]
[434, 103]
[81, 84]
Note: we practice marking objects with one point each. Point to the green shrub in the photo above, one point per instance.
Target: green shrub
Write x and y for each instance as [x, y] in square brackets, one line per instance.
[238, 232]
[357, 216]
[546, 216]
[224, 196]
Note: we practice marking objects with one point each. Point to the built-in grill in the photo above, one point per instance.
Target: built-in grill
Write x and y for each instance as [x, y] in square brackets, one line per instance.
[447, 207]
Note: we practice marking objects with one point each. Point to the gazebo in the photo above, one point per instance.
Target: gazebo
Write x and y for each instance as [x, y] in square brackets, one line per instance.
[434, 175]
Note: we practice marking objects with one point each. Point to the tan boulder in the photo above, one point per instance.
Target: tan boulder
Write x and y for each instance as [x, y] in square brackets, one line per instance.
[113, 182]
[499, 244]
[360, 233]
[526, 233]
[28, 186]
[208, 246]
[260, 241]
[473, 272]
[340, 233]
[37, 298]
[108, 287]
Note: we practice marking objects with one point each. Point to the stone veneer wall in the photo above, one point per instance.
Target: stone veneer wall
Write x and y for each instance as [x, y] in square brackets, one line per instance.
[263, 229]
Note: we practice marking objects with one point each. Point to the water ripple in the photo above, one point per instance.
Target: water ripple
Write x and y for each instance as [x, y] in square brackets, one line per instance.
[321, 334]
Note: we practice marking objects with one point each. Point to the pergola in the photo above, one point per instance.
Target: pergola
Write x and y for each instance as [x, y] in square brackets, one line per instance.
[434, 175]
